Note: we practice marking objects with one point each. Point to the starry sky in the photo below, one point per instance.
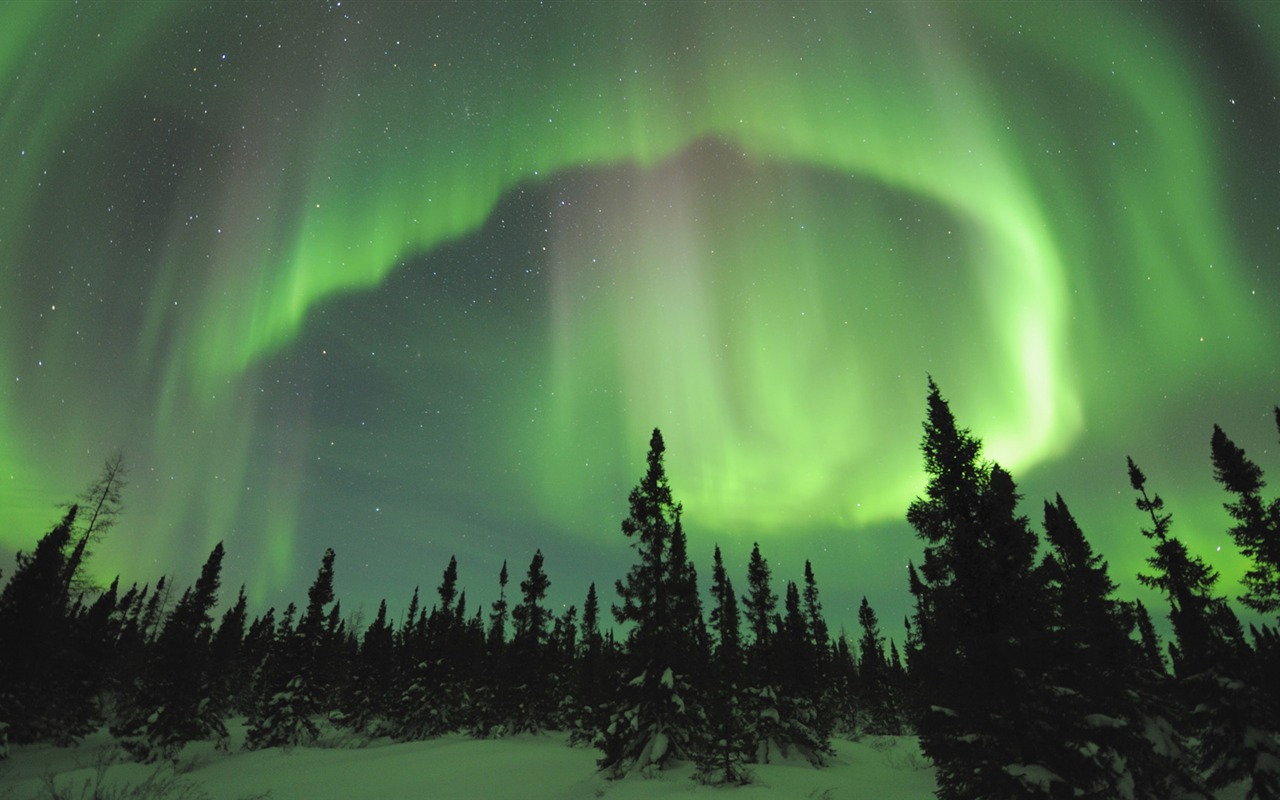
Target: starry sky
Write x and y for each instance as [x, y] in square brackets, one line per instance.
[418, 280]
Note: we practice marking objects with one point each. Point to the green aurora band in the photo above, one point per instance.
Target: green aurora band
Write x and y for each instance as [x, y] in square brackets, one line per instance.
[772, 221]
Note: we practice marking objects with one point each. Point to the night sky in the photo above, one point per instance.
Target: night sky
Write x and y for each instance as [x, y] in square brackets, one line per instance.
[418, 280]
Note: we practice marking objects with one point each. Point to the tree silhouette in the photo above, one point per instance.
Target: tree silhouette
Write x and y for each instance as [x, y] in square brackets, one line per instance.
[651, 723]
[1110, 692]
[1231, 707]
[38, 698]
[530, 681]
[293, 693]
[1257, 528]
[722, 758]
[101, 502]
[174, 702]
[981, 606]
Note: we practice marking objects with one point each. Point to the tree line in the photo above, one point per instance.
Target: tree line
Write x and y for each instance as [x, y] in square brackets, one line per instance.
[1022, 673]
[159, 670]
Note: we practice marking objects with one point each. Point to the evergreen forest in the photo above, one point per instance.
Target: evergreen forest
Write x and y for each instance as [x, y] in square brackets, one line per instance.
[1022, 672]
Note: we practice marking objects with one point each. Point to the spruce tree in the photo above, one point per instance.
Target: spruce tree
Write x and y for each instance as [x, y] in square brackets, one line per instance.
[981, 608]
[232, 673]
[373, 686]
[592, 676]
[877, 692]
[764, 719]
[531, 689]
[562, 669]
[259, 642]
[498, 617]
[448, 588]
[449, 679]
[1123, 737]
[872, 665]
[494, 704]
[94, 652]
[293, 695]
[826, 692]
[156, 609]
[688, 644]
[897, 685]
[820, 634]
[1231, 705]
[175, 701]
[722, 758]
[1257, 529]
[436, 697]
[39, 697]
[843, 705]
[1187, 582]
[803, 729]
[530, 618]
[651, 723]
[760, 604]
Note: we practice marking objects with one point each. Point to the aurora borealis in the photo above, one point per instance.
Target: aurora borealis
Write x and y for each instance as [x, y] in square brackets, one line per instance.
[416, 280]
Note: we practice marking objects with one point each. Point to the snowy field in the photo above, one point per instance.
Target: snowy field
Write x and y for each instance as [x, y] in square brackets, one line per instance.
[341, 767]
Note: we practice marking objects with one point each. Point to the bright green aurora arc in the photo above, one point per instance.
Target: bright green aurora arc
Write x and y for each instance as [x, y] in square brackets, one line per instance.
[417, 280]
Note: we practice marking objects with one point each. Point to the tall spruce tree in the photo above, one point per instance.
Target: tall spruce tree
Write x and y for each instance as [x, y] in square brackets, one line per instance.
[94, 654]
[1257, 529]
[1230, 706]
[820, 634]
[981, 608]
[761, 694]
[232, 672]
[368, 706]
[1124, 737]
[448, 588]
[1188, 583]
[593, 675]
[531, 619]
[722, 758]
[651, 724]
[493, 703]
[293, 693]
[39, 696]
[759, 604]
[175, 701]
[689, 645]
[878, 698]
[843, 704]
[804, 729]
[498, 616]
[827, 691]
[561, 657]
[436, 697]
[872, 664]
[1256, 533]
[259, 642]
[531, 687]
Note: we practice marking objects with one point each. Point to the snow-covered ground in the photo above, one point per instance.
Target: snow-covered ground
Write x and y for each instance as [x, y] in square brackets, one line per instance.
[341, 767]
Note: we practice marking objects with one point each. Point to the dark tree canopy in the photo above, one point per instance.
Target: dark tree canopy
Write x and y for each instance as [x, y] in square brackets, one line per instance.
[1256, 531]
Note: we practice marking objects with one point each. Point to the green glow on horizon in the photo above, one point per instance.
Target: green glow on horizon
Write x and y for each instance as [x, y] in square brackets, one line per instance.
[779, 333]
